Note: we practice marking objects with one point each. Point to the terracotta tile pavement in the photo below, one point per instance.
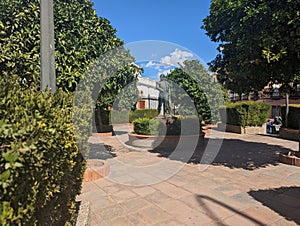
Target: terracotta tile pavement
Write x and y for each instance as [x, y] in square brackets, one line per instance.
[228, 192]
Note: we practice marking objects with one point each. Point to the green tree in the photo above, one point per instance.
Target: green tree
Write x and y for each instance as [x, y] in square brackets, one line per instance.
[80, 37]
[259, 42]
[200, 87]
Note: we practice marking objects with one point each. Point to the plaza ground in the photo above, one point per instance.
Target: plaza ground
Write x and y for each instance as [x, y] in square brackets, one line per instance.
[243, 185]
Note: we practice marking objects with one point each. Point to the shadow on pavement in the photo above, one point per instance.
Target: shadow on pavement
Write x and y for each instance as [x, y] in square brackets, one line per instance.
[284, 200]
[100, 151]
[203, 200]
[233, 153]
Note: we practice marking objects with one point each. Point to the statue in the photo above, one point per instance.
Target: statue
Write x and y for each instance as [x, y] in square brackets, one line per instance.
[164, 95]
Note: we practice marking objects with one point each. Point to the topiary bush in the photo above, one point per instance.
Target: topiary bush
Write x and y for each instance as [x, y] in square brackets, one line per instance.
[293, 116]
[146, 126]
[169, 126]
[143, 113]
[41, 167]
[245, 113]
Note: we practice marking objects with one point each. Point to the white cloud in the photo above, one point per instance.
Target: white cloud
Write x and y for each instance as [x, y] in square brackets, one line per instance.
[175, 58]
[150, 64]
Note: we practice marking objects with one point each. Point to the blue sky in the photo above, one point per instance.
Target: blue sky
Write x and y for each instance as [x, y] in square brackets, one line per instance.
[174, 24]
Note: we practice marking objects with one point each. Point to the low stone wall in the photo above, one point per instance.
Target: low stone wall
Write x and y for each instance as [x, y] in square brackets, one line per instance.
[241, 130]
[290, 134]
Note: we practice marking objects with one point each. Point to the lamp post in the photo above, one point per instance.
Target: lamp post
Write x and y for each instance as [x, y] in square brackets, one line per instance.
[47, 60]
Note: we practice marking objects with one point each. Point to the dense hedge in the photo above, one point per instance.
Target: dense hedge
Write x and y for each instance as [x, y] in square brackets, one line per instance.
[146, 126]
[143, 113]
[169, 126]
[41, 167]
[117, 117]
[293, 116]
[105, 118]
[245, 113]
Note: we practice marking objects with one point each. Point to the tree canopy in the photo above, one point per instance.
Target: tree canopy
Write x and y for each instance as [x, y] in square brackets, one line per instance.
[80, 38]
[259, 42]
[199, 87]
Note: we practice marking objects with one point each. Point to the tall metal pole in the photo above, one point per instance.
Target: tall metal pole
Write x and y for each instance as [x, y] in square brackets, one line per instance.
[287, 109]
[48, 77]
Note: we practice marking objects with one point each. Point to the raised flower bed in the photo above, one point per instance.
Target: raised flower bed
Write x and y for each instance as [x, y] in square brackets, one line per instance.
[165, 133]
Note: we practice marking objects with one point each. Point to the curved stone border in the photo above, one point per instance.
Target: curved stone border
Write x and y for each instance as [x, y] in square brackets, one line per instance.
[147, 141]
[289, 159]
[96, 169]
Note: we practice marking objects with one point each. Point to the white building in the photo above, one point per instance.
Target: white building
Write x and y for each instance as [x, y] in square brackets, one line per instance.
[148, 94]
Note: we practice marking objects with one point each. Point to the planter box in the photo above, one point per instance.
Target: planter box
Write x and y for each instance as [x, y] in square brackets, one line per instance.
[290, 134]
[242, 130]
[151, 142]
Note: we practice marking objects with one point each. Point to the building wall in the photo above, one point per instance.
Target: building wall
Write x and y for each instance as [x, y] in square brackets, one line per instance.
[147, 93]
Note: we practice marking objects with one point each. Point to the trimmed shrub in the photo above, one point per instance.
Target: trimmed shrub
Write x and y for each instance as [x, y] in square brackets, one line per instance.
[119, 116]
[146, 126]
[170, 127]
[143, 113]
[293, 116]
[245, 113]
[41, 167]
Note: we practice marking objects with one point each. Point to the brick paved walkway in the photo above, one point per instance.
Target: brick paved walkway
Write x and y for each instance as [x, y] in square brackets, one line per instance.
[244, 185]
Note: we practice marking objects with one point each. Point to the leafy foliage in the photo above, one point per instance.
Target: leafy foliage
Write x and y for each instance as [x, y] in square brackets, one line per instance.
[199, 87]
[112, 91]
[246, 113]
[174, 126]
[258, 43]
[143, 113]
[147, 126]
[80, 37]
[40, 163]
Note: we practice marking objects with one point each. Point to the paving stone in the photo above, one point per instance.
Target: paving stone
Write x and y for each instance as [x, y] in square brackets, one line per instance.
[216, 209]
[95, 220]
[168, 223]
[263, 214]
[135, 220]
[114, 188]
[91, 191]
[143, 191]
[283, 222]
[133, 205]
[193, 218]
[123, 195]
[120, 221]
[152, 215]
[238, 220]
[157, 197]
[295, 177]
[108, 213]
[171, 190]
[184, 194]
[174, 207]
[103, 182]
[99, 203]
